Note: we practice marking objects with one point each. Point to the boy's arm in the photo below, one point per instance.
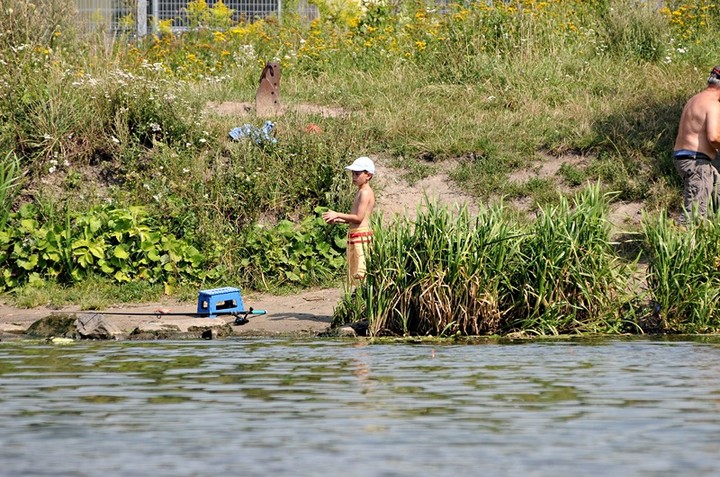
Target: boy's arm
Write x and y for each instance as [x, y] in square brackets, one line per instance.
[363, 204]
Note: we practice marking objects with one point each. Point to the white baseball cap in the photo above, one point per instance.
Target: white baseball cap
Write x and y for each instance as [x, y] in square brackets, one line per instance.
[363, 163]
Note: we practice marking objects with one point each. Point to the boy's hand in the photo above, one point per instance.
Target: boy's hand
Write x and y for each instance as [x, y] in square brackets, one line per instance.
[330, 217]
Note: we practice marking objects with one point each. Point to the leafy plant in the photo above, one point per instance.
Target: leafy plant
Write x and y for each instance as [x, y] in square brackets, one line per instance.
[9, 178]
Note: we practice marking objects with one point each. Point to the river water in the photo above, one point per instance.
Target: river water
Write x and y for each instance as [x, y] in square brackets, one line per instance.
[263, 407]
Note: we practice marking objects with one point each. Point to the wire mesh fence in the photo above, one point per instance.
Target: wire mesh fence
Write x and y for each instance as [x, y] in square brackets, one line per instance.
[137, 17]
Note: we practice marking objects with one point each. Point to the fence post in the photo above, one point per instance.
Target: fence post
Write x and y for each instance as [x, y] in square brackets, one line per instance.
[280, 11]
[155, 14]
[141, 22]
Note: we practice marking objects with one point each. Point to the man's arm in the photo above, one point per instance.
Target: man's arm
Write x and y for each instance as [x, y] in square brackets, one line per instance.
[712, 121]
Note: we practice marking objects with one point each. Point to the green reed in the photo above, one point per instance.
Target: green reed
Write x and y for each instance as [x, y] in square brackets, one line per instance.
[440, 274]
[570, 279]
[684, 272]
[449, 273]
[9, 176]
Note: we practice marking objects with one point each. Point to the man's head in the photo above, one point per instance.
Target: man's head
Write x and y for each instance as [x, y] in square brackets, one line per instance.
[714, 78]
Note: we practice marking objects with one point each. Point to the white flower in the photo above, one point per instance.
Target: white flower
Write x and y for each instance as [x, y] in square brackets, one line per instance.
[52, 169]
[202, 139]
[185, 170]
[115, 140]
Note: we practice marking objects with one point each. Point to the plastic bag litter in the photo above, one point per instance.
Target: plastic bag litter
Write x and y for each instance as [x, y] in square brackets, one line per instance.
[262, 135]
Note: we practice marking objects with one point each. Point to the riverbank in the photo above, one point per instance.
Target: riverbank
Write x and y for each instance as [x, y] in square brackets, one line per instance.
[305, 314]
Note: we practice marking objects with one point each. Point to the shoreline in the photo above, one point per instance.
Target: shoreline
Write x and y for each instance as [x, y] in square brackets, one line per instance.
[305, 314]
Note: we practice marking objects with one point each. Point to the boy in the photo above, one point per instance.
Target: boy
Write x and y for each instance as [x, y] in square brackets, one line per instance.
[359, 234]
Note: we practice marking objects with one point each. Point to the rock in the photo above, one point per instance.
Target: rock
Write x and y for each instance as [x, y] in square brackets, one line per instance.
[214, 331]
[346, 332]
[155, 331]
[97, 327]
[55, 325]
[196, 328]
[12, 328]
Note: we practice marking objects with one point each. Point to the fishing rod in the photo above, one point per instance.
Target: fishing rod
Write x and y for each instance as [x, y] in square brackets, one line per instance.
[241, 317]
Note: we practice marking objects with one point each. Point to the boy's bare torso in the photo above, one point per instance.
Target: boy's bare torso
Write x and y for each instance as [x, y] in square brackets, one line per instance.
[363, 205]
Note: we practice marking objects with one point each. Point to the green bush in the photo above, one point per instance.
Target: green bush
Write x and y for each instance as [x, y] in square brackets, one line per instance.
[122, 244]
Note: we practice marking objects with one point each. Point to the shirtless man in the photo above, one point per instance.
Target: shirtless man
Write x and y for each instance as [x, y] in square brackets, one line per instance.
[697, 145]
[359, 233]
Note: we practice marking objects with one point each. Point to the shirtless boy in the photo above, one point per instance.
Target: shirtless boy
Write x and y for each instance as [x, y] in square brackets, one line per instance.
[697, 145]
[359, 233]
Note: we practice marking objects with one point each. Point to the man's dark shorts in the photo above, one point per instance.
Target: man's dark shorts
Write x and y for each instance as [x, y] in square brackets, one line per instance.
[700, 179]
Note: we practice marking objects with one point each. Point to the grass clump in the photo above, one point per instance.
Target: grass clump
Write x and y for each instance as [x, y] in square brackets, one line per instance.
[447, 273]
[684, 273]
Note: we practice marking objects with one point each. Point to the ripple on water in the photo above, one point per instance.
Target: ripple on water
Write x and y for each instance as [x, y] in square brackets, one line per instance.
[279, 407]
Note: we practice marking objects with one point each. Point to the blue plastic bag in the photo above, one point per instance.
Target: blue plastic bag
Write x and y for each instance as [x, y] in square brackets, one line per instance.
[260, 136]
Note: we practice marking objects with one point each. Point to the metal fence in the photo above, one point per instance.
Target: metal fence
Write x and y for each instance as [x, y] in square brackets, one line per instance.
[138, 17]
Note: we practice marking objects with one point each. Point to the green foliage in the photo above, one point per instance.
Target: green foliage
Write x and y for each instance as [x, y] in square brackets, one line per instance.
[309, 253]
[199, 15]
[636, 30]
[683, 273]
[122, 244]
[9, 177]
[447, 274]
[569, 277]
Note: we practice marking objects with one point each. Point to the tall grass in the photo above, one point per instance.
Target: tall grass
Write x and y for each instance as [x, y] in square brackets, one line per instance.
[448, 273]
[9, 181]
[684, 273]
[570, 280]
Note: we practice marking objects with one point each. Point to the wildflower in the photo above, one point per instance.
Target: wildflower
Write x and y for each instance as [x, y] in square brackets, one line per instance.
[185, 170]
[115, 140]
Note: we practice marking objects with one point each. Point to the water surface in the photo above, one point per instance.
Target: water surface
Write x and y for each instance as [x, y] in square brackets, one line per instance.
[323, 407]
